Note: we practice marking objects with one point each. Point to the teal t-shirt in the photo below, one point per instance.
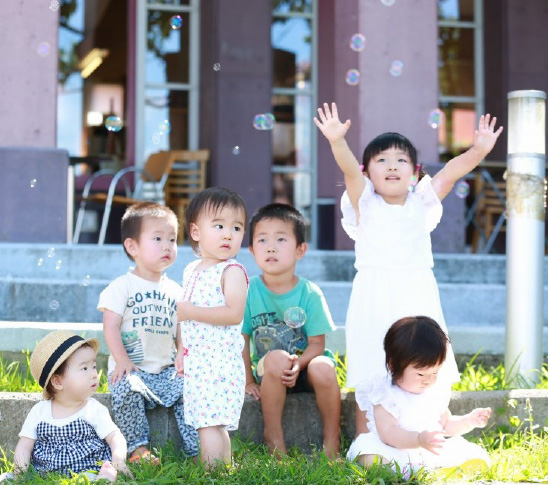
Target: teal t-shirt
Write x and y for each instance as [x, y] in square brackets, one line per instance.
[264, 318]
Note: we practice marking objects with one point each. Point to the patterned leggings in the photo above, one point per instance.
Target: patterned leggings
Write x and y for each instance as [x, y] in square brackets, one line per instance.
[132, 395]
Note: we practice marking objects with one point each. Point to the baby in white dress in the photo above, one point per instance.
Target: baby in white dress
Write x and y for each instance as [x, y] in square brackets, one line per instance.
[409, 419]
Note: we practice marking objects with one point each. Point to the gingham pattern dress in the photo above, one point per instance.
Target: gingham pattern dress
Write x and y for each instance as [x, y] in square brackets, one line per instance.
[214, 368]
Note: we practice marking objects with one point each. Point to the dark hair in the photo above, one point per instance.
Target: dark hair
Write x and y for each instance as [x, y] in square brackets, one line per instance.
[419, 341]
[212, 200]
[132, 220]
[49, 391]
[390, 140]
[282, 212]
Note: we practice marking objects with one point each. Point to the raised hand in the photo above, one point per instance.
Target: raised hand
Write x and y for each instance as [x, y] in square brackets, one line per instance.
[329, 123]
[432, 441]
[479, 417]
[486, 136]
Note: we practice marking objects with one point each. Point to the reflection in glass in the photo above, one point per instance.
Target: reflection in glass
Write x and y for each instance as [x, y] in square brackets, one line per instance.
[456, 134]
[163, 105]
[456, 61]
[167, 49]
[291, 44]
[456, 10]
[285, 6]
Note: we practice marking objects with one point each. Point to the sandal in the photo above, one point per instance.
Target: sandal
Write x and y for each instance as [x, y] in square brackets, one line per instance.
[145, 456]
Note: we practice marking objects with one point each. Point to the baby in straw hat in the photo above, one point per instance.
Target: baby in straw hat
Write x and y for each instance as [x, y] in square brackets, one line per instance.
[69, 431]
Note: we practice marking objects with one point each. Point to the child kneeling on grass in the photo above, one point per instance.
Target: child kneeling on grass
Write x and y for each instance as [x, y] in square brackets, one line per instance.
[69, 432]
[287, 359]
[408, 412]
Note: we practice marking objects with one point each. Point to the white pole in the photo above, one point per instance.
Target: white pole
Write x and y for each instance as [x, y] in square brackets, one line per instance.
[525, 212]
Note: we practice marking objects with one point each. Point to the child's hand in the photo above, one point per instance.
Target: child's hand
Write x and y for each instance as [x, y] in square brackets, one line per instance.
[486, 136]
[122, 467]
[183, 310]
[289, 377]
[330, 125]
[253, 389]
[479, 417]
[180, 362]
[432, 441]
[123, 367]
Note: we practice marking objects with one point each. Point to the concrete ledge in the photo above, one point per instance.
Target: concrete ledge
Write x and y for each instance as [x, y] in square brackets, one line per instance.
[301, 419]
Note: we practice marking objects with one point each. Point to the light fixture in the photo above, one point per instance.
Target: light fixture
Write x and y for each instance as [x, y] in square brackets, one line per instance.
[92, 60]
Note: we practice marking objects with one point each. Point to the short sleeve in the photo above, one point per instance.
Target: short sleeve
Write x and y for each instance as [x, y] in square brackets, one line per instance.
[377, 390]
[114, 297]
[431, 202]
[31, 422]
[319, 319]
[99, 417]
[349, 220]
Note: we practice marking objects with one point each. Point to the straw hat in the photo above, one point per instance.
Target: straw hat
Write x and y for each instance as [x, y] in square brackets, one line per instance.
[53, 350]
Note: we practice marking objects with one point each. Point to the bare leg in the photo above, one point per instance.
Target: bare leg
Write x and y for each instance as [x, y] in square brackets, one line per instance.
[273, 394]
[368, 460]
[361, 422]
[322, 376]
[214, 446]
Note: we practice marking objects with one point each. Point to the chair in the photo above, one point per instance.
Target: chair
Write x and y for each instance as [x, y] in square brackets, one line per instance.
[490, 214]
[154, 173]
[186, 179]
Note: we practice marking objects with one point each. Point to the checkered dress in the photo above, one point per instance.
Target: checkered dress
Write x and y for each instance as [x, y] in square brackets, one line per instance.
[73, 447]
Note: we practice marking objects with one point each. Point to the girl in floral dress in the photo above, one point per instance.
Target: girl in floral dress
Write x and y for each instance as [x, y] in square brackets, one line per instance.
[215, 290]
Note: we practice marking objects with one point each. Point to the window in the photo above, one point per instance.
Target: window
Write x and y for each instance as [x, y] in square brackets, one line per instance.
[460, 69]
[293, 37]
[167, 76]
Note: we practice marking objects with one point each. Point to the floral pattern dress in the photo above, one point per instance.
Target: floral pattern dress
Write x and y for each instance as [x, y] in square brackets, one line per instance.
[214, 371]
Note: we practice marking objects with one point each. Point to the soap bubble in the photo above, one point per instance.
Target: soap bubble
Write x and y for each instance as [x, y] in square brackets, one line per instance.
[435, 118]
[86, 280]
[43, 49]
[164, 126]
[216, 66]
[54, 304]
[357, 42]
[114, 123]
[58, 264]
[264, 121]
[40, 262]
[236, 150]
[33, 183]
[294, 317]
[157, 138]
[176, 22]
[54, 5]
[462, 189]
[388, 3]
[352, 77]
[396, 68]
[51, 252]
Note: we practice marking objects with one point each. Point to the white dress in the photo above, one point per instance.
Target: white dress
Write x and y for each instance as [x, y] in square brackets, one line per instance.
[214, 369]
[394, 279]
[414, 412]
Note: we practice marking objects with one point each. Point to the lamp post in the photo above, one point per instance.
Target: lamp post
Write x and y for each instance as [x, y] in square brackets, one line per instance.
[525, 212]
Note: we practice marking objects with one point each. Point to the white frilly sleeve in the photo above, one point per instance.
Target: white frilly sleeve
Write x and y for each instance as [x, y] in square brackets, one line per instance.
[377, 389]
[431, 202]
[349, 220]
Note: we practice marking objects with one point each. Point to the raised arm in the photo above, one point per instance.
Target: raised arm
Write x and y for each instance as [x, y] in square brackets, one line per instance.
[484, 141]
[335, 131]
[234, 286]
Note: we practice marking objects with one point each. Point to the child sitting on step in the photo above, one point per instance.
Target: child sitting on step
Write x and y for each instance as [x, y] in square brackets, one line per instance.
[69, 432]
[142, 332]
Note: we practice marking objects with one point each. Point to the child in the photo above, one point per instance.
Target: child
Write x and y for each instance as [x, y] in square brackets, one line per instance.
[215, 288]
[69, 432]
[286, 359]
[141, 330]
[390, 216]
[408, 412]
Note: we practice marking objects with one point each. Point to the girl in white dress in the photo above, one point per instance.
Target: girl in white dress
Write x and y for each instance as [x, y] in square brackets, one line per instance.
[390, 208]
[408, 409]
[212, 310]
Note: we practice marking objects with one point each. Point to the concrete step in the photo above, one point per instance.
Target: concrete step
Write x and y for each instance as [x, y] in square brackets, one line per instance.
[107, 262]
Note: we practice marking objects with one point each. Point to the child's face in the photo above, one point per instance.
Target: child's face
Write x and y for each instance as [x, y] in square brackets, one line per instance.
[219, 234]
[390, 173]
[274, 246]
[79, 380]
[156, 248]
[417, 379]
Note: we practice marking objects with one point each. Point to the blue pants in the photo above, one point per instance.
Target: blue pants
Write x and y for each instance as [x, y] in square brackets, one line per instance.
[132, 395]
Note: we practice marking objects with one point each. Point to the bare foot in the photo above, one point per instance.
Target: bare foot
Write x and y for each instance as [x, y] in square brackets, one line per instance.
[331, 449]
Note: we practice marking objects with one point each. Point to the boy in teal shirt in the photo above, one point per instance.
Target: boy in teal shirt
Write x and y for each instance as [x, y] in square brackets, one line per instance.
[287, 359]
